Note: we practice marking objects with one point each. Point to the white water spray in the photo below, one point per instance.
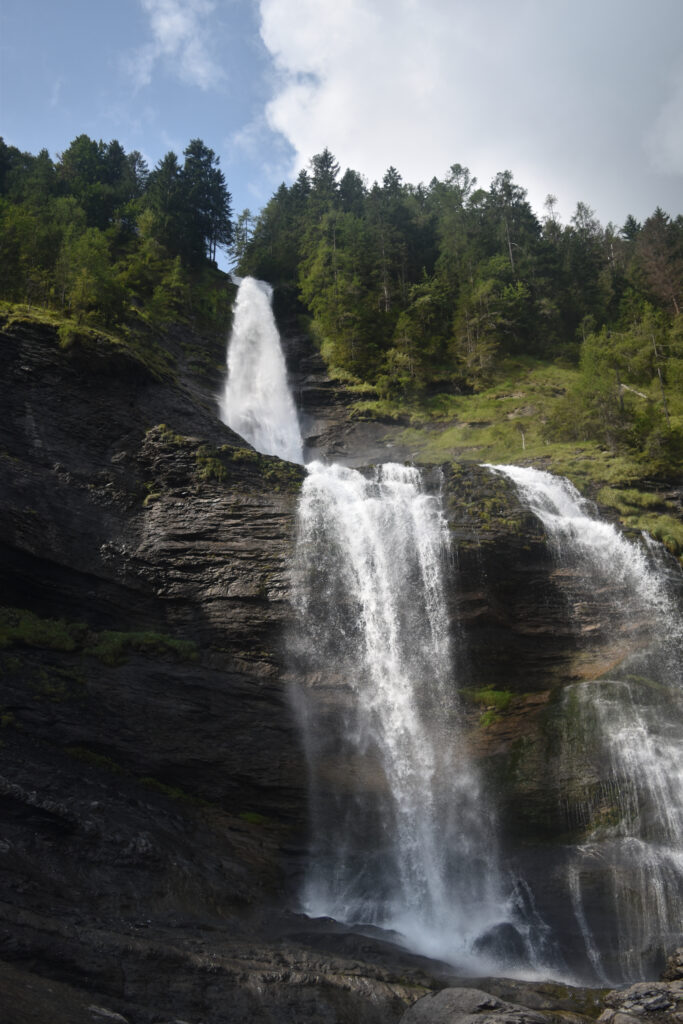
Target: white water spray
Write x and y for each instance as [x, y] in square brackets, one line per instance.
[634, 818]
[257, 403]
[402, 836]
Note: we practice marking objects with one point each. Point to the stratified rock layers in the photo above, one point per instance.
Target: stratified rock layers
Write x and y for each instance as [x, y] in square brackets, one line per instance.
[152, 782]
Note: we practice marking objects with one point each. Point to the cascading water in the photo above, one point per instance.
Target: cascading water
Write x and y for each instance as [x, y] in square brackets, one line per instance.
[625, 881]
[402, 837]
[257, 403]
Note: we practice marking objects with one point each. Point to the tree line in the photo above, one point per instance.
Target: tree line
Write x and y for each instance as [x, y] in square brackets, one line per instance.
[418, 289]
[414, 289]
[100, 237]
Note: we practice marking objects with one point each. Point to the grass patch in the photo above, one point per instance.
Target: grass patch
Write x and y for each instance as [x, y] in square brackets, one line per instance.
[499, 700]
[648, 511]
[507, 422]
[113, 648]
[209, 466]
[213, 464]
[19, 627]
[25, 629]
[494, 702]
[168, 436]
[138, 342]
[253, 818]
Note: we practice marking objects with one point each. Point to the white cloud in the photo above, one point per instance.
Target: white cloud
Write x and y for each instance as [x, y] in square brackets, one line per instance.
[552, 91]
[181, 36]
[268, 152]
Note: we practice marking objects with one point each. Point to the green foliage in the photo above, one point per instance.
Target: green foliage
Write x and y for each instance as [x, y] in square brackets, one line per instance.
[424, 290]
[499, 700]
[655, 513]
[213, 465]
[624, 396]
[24, 628]
[98, 237]
[209, 466]
[254, 818]
[113, 648]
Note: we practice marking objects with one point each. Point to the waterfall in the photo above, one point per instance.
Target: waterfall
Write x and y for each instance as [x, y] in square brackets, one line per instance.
[402, 837]
[625, 882]
[257, 402]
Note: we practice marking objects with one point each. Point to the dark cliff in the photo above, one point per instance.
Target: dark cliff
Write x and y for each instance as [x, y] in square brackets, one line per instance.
[152, 784]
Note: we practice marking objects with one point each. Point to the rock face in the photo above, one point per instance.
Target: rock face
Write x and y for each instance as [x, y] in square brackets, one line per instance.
[329, 429]
[469, 1006]
[149, 768]
[152, 782]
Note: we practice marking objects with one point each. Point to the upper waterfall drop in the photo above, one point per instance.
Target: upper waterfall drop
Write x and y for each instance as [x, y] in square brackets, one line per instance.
[257, 402]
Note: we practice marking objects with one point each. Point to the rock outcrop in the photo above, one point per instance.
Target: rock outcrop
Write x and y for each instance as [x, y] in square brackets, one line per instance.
[152, 783]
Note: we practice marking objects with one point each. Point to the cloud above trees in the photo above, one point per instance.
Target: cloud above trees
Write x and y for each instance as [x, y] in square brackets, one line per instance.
[181, 34]
[578, 99]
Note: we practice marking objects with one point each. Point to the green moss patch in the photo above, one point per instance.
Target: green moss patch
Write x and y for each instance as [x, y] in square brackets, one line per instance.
[493, 702]
[22, 628]
[253, 818]
[113, 648]
[25, 629]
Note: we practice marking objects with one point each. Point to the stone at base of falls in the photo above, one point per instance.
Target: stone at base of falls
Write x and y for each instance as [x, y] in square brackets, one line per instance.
[659, 1002]
[503, 944]
[467, 1005]
[647, 1002]
[674, 966]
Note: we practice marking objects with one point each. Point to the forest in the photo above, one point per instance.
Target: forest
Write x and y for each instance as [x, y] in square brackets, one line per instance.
[410, 291]
[98, 237]
[420, 290]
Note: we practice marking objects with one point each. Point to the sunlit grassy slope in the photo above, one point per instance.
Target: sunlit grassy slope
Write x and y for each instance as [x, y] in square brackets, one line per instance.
[507, 422]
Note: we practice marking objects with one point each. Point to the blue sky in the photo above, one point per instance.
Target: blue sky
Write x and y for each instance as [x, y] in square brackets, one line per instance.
[581, 98]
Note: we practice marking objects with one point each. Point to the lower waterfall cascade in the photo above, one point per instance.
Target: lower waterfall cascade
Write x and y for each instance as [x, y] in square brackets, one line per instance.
[633, 721]
[403, 837]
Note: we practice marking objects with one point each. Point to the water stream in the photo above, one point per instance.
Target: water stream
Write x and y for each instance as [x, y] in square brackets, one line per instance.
[257, 402]
[403, 836]
[625, 880]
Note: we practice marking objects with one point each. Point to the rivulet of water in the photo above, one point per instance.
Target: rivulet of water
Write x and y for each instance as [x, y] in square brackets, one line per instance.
[257, 402]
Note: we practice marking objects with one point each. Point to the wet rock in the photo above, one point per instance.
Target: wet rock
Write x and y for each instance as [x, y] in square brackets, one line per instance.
[647, 1002]
[502, 944]
[674, 966]
[469, 1006]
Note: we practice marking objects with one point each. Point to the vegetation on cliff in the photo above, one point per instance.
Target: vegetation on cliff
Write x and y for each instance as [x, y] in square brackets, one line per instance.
[423, 291]
[448, 308]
